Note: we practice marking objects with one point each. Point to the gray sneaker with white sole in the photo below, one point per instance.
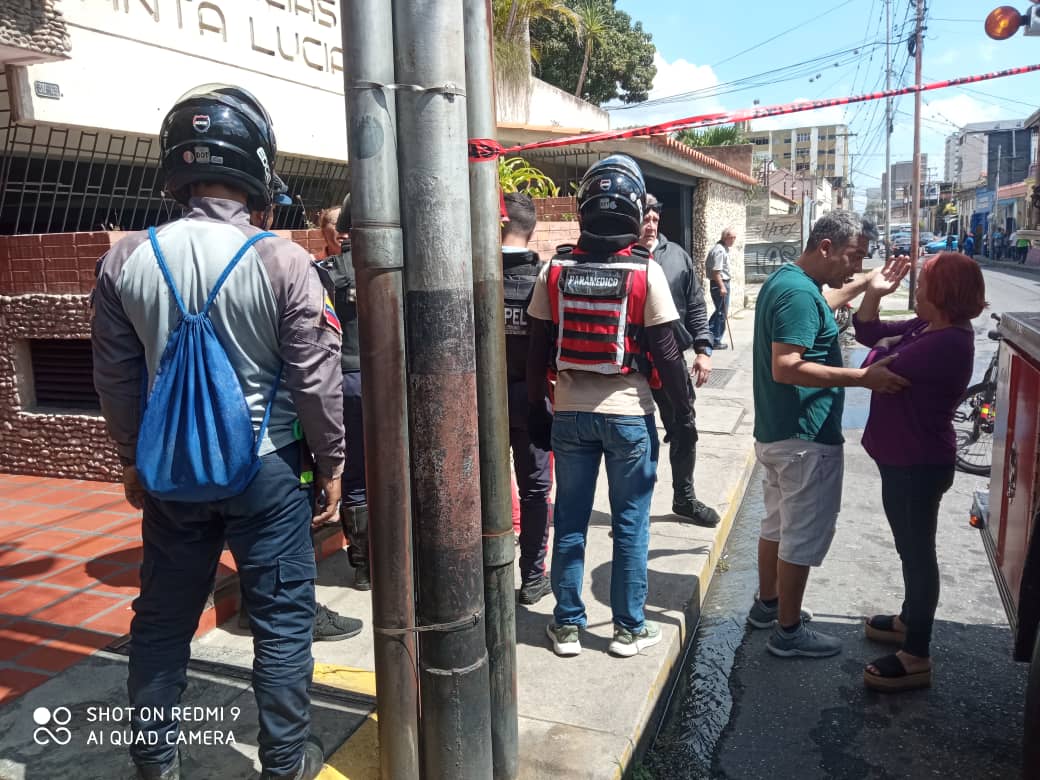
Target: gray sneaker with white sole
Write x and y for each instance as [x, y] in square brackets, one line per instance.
[802, 642]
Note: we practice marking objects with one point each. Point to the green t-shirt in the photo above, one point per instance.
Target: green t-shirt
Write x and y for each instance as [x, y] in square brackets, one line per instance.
[792, 310]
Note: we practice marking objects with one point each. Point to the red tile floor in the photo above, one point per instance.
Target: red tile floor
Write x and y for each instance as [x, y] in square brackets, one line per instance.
[69, 557]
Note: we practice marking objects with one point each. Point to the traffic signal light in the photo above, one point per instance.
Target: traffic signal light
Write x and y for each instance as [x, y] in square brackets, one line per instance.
[1003, 22]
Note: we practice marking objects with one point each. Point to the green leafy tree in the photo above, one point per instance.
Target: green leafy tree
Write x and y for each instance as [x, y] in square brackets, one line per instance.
[723, 135]
[618, 61]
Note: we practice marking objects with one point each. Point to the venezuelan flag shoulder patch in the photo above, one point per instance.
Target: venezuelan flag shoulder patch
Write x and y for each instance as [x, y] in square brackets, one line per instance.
[328, 315]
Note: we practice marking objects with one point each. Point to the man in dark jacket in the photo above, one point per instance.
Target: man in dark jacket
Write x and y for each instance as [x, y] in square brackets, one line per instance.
[691, 331]
[520, 268]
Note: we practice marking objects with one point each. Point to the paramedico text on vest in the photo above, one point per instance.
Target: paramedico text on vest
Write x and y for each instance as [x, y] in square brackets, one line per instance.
[597, 307]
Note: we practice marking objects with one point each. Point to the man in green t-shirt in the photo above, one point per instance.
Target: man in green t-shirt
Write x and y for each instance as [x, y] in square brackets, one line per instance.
[799, 382]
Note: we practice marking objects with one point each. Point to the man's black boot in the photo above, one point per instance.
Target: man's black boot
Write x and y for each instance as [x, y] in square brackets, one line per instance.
[696, 512]
[311, 765]
[355, 526]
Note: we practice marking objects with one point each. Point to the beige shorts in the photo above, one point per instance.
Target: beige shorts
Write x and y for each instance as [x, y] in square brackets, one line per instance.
[802, 493]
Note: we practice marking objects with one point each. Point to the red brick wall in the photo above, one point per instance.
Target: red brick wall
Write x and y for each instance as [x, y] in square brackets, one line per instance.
[557, 224]
[44, 284]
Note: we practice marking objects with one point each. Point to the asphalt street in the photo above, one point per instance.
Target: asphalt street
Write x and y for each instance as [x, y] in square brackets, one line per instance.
[741, 713]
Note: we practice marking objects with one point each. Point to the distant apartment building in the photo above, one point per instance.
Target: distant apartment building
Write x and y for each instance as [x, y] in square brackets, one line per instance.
[967, 151]
[811, 151]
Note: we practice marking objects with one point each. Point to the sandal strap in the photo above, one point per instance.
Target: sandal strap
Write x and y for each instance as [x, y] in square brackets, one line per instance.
[884, 623]
[889, 666]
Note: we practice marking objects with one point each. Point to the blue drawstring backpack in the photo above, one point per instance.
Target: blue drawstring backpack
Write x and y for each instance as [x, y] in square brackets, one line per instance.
[196, 440]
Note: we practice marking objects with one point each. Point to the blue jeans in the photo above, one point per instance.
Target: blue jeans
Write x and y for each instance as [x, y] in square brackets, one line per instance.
[717, 320]
[630, 446]
[268, 531]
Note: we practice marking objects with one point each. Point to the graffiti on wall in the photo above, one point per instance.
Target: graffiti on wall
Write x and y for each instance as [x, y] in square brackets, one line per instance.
[771, 242]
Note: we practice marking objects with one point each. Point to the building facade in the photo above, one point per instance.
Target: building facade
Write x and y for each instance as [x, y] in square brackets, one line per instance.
[967, 152]
[821, 151]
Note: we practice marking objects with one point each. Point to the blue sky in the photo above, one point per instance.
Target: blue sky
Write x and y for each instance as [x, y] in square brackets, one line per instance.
[696, 44]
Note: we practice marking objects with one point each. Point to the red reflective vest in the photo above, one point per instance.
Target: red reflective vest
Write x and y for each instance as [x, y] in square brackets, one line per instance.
[597, 312]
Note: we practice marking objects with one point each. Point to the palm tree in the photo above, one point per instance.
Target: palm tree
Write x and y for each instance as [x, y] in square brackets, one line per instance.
[723, 135]
[592, 31]
[512, 30]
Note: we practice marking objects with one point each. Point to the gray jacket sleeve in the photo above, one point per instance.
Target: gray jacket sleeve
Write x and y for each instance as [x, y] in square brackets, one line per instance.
[309, 340]
[696, 317]
[119, 361]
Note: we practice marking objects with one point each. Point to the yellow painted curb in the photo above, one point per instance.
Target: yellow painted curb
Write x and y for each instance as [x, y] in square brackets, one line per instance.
[358, 757]
[346, 678]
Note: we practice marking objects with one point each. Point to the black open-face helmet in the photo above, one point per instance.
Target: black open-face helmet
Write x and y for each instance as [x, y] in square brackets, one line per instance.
[218, 132]
[612, 197]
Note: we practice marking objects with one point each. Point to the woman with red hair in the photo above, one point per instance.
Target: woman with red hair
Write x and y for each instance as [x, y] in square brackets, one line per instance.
[910, 435]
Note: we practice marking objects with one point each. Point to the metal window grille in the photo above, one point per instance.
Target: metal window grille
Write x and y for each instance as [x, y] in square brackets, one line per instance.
[63, 374]
[60, 180]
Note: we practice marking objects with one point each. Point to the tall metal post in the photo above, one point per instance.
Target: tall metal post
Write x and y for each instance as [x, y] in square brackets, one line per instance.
[492, 396]
[915, 222]
[378, 255]
[888, 129]
[454, 695]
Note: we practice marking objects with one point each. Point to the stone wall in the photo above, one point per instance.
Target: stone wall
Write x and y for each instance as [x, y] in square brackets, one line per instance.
[35, 25]
[46, 443]
[45, 281]
[715, 207]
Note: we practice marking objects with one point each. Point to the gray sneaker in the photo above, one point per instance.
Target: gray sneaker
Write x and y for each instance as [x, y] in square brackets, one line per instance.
[803, 642]
[627, 644]
[764, 616]
[565, 639]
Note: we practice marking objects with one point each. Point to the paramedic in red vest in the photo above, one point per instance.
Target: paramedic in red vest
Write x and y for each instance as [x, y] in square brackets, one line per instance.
[602, 318]
[217, 149]
[691, 331]
[520, 268]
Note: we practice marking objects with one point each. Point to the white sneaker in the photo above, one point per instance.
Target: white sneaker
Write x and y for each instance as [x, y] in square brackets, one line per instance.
[627, 644]
[565, 639]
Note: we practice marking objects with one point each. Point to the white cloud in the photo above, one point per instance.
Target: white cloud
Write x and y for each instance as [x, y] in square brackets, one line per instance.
[832, 115]
[673, 78]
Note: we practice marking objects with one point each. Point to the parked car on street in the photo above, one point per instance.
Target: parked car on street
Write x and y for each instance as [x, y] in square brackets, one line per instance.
[900, 244]
[939, 245]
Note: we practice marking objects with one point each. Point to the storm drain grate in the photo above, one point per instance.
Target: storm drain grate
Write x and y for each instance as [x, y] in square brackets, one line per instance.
[719, 377]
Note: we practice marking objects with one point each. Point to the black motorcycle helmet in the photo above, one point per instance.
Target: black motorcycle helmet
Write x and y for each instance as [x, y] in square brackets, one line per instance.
[612, 197]
[218, 132]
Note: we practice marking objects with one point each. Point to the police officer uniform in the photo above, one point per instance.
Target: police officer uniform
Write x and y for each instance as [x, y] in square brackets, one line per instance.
[531, 463]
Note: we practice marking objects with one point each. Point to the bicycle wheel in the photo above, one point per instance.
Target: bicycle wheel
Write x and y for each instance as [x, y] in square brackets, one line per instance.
[973, 426]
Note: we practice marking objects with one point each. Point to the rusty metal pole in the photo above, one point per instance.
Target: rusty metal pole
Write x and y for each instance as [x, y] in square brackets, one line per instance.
[455, 721]
[378, 255]
[492, 396]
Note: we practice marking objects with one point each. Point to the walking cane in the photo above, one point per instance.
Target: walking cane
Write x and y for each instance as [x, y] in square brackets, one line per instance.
[729, 330]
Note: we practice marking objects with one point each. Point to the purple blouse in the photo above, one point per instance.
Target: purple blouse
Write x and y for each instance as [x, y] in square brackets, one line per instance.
[915, 426]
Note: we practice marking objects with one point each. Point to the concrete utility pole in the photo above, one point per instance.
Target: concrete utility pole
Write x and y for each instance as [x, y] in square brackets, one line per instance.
[429, 52]
[888, 128]
[378, 256]
[915, 222]
[492, 396]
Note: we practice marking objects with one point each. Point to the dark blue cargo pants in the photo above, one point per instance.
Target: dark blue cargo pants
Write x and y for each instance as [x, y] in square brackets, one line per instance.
[267, 529]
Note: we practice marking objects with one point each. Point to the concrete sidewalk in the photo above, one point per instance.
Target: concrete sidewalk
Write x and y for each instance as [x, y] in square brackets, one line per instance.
[582, 717]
